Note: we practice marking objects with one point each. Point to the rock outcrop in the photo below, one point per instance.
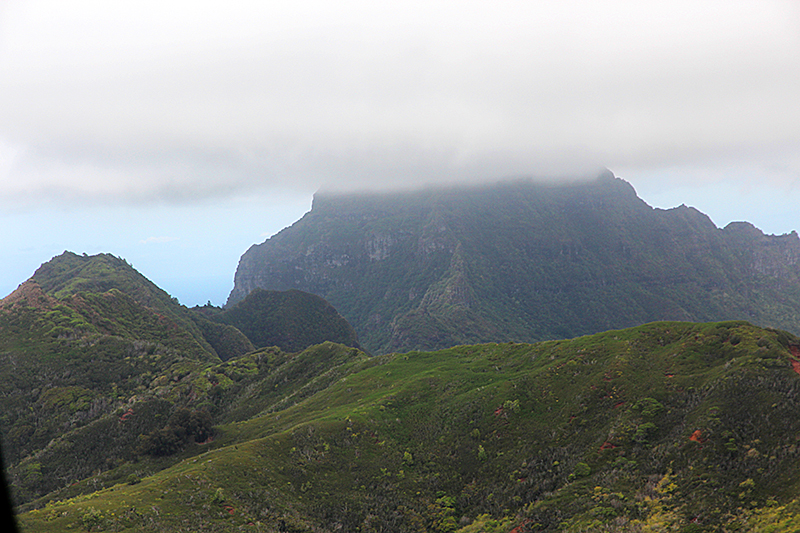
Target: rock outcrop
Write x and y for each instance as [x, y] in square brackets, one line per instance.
[523, 261]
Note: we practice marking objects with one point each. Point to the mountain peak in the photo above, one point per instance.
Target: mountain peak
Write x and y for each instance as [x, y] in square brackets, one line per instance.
[70, 273]
[536, 260]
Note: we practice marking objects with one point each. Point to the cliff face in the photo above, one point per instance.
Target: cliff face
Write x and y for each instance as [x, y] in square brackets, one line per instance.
[521, 261]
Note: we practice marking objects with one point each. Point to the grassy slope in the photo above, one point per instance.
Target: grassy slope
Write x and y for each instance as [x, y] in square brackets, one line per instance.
[668, 424]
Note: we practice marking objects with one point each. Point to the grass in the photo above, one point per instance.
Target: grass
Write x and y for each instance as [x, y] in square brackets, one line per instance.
[564, 434]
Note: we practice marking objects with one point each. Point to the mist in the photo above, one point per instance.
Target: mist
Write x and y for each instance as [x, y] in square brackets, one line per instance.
[177, 112]
[158, 102]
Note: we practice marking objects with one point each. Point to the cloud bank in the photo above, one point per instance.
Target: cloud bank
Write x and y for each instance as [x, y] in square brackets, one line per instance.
[179, 101]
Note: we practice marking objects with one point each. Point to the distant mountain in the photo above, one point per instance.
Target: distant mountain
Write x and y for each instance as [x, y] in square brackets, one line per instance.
[523, 261]
[291, 320]
[665, 427]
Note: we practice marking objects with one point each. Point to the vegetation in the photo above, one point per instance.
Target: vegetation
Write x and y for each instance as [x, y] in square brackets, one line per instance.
[291, 320]
[122, 410]
[642, 429]
[92, 381]
[70, 278]
[524, 262]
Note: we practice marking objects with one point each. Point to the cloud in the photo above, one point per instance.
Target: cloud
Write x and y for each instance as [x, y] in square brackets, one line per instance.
[166, 102]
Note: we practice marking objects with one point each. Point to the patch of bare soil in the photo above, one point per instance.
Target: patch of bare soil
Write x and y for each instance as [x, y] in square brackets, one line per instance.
[30, 294]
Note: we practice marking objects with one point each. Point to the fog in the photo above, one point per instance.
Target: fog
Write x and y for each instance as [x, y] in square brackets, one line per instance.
[173, 106]
[154, 101]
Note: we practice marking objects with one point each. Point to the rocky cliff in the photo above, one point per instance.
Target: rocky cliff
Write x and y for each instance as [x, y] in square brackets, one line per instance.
[523, 261]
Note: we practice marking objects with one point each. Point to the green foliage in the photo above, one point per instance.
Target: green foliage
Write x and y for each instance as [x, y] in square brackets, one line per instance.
[291, 320]
[511, 406]
[486, 524]
[408, 459]
[644, 431]
[92, 518]
[184, 426]
[581, 470]
[227, 341]
[482, 453]
[649, 407]
[218, 496]
[442, 515]
[330, 439]
[72, 278]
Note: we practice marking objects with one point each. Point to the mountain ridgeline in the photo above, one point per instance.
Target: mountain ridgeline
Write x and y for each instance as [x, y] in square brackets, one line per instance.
[523, 261]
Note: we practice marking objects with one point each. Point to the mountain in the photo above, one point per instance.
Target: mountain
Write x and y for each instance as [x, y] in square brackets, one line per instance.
[99, 366]
[291, 320]
[81, 339]
[670, 426]
[523, 261]
[70, 278]
[119, 414]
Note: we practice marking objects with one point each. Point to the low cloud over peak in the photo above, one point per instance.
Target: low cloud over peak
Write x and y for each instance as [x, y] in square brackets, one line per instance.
[148, 102]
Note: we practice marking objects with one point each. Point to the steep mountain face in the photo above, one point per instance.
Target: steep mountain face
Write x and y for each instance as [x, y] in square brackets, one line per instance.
[664, 427]
[523, 261]
[291, 320]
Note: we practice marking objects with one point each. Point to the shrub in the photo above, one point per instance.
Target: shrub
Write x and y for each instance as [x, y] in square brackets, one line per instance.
[91, 518]
[582, 470]
[408, 459]
[649, 407]
[183, 426]
[644, 432]
[160, 443]
[481, 453]
[218, 496]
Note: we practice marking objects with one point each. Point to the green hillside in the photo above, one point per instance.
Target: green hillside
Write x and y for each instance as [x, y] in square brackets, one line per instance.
[68, 365]
[670, 426]
[70, 275]
[523, 261]
[291, 320]
[89, 343]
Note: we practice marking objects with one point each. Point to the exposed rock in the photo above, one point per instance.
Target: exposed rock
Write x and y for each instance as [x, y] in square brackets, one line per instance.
[523, 261]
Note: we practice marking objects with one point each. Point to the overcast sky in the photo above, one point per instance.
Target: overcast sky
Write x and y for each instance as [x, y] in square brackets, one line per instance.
[176, 134]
